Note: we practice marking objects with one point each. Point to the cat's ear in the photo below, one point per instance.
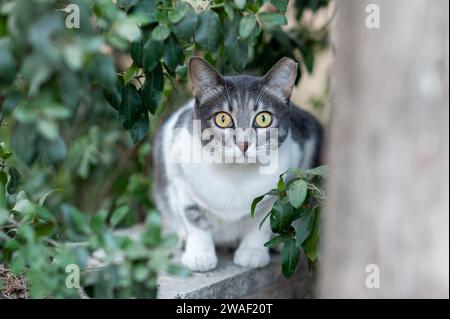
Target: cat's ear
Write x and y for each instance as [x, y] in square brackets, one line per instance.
[281, 78]
[206, 81]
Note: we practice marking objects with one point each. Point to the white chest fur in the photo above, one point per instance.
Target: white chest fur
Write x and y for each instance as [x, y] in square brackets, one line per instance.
[227, 190]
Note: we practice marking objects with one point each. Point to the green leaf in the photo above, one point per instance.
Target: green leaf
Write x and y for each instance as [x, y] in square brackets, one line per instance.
[130, 73]
[184, 30]
[48, 129]
[24, 143]
[260, 198]
[98, 225]
[254, 203]
[114, 96]
[309, 59]
[6, 155]
[44, 229]
[17, 264]
[128, 29]
[36, 71]
[14, 180]
[229, 10]
[317, 171]
[3, 181]
[305, 225]
[236, 50]
[130, 108]
[45, 214]
[7, 65]
[280, 184]
[43, 198]
[246, 26]
[296, 192]
[140, 129]
[173, 53]
[269, 20]
[153, 51]
[208, 31]
[299, 212]
[11, 101]
[152, 233]
[137, 53]
[74, 56]
[127, 4]
[178, 13]
[147, 8]
[53, 151]
[312, 243]
[240, 4]
[76, 219]
[152, 89]
[280, 4]
[71, 89]
[281, 216]
[140, 273]
[290, 254]
[118, 215]
[294, 171]
[2, 148]
[274, 241]
[160, 33]
[24, 207]
[3, 178]
[105, 72]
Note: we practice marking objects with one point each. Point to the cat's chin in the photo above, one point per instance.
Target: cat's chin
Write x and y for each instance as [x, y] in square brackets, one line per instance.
[245, 162]
[242, 159]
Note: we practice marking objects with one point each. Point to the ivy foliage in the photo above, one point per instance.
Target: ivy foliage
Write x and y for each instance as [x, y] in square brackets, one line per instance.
[43, 245]
[78, 107]
[295, 216]
[48, 69]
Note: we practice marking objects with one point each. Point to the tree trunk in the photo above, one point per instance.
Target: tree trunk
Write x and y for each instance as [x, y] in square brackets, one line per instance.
[388, 153]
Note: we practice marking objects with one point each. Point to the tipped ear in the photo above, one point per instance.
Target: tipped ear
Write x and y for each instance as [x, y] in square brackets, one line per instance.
[205, 80]
[281, 77]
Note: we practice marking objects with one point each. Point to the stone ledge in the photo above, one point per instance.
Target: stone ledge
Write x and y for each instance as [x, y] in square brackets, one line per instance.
[229, 281]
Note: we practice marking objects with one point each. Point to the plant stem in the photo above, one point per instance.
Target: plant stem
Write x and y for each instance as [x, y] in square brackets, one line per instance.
[214, 6]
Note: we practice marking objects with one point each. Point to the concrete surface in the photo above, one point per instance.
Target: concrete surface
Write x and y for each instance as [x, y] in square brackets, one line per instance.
[230, 281]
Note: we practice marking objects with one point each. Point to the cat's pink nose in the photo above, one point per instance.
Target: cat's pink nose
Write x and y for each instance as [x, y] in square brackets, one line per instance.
[243, 147]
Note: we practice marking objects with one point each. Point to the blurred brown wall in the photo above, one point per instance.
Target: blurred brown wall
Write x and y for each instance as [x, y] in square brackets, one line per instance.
[388, 152]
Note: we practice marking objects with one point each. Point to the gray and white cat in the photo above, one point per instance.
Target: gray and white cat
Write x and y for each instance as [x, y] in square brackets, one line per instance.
[208, 201]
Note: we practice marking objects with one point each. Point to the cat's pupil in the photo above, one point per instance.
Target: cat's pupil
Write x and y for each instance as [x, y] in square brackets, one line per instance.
[223, 118]
[263, 118]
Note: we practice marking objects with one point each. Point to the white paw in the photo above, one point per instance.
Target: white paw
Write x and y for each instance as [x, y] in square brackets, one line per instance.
[251, 257]
[199, 261]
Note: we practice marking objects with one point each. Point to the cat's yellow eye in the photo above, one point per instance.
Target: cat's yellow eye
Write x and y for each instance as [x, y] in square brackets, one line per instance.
[263, 119]
[223, 120]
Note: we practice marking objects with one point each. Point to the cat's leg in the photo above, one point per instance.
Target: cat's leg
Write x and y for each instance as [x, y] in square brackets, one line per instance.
[199, 252]
[251, 251]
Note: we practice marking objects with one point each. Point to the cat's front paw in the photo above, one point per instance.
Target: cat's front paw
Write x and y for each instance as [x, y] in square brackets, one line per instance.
[252, 257]
[199, 261]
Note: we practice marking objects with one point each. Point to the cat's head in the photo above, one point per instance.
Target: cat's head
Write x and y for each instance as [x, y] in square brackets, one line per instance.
[242, 117]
